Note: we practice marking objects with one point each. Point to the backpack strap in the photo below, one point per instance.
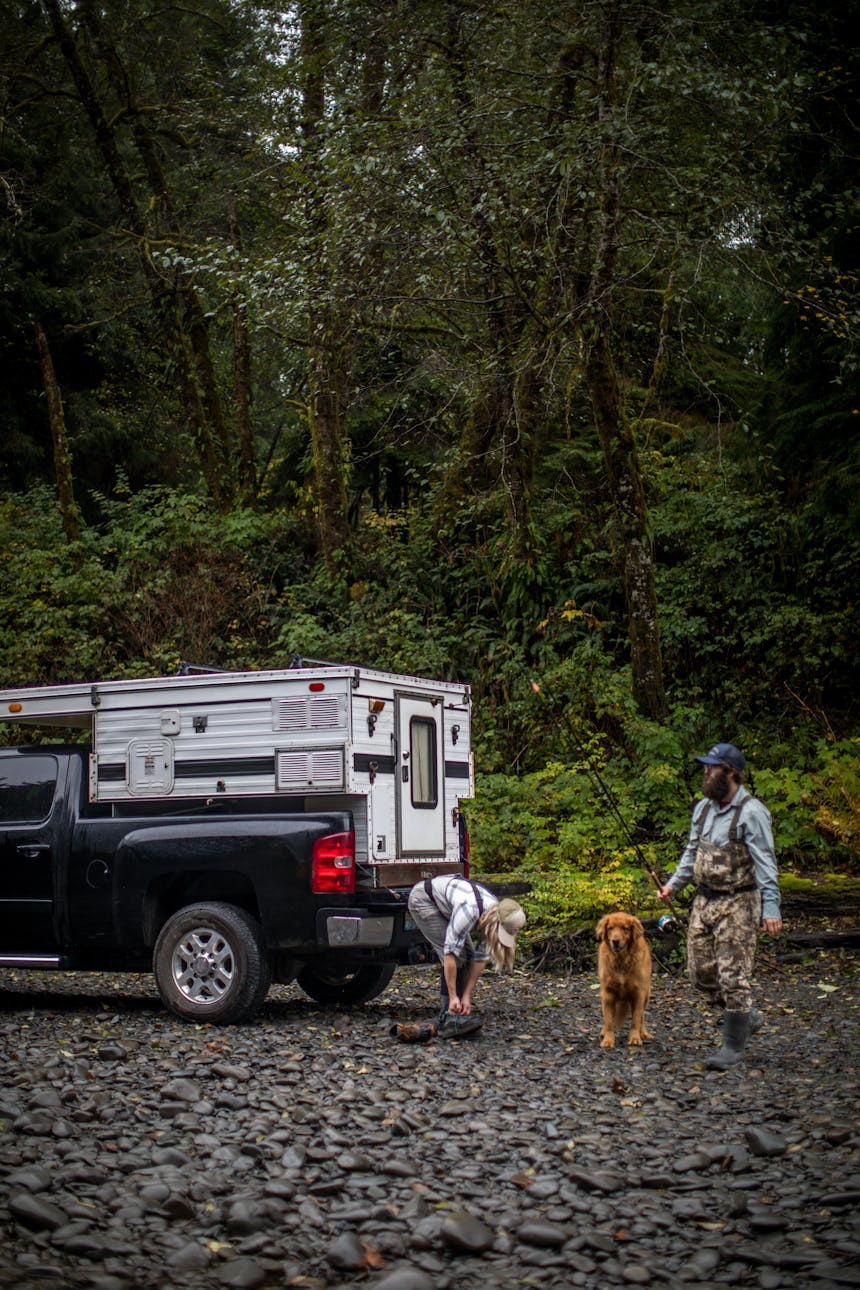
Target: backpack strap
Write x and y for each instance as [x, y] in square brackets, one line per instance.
[733, 827]
[428, 887]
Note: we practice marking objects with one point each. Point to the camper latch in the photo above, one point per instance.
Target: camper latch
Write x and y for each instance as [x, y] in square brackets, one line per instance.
[95, 697]
[199, 724]
[373, 767]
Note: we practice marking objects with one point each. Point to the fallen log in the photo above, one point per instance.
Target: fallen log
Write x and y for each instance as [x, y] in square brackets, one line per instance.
[849, 939]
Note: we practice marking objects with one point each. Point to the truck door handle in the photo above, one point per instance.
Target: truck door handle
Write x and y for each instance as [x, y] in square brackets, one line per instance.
[32, 850]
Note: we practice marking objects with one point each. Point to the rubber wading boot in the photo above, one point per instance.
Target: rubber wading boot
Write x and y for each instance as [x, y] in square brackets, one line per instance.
[736, 1028]
[756, 1019]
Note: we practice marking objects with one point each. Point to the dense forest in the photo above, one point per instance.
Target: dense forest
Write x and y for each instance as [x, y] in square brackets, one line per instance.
[512, 342]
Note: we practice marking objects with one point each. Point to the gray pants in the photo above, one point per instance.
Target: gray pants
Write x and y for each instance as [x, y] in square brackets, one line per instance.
[434, 928]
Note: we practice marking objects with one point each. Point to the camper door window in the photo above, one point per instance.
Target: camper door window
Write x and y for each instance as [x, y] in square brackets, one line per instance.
[422, 739]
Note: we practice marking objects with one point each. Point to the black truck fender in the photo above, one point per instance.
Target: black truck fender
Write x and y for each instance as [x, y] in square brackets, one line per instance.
[260, 864]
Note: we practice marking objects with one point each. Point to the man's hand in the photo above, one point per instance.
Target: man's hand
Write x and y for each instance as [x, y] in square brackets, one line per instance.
[773, 926]
[665, 894]
[455, 1005]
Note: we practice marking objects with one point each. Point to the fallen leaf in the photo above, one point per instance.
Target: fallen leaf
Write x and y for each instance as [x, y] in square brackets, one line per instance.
[371, 1258]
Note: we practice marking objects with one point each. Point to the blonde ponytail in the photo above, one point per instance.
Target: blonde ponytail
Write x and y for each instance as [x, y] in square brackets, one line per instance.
[502, 956]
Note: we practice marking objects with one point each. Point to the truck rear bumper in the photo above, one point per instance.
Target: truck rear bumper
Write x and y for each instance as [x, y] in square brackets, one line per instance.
[363, 929]
[345, 927]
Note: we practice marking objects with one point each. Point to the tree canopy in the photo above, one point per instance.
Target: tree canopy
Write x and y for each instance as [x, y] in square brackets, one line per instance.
[507, 341]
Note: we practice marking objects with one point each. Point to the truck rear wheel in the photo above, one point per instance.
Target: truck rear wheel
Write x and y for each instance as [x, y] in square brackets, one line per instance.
[210, 964]
[329, 984]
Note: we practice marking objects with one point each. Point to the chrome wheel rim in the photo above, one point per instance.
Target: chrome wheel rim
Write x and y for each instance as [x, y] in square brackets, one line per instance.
[203, 966]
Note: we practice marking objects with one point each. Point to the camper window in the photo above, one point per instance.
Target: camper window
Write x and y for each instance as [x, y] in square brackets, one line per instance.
[422, 737]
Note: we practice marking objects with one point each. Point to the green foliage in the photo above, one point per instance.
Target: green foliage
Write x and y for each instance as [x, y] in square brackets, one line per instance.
[816, 809]
[447, 215]
[160, 579]
[570, 898]
[54, 597]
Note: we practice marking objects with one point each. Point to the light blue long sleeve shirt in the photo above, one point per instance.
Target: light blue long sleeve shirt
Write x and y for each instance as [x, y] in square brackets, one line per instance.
[754, 828]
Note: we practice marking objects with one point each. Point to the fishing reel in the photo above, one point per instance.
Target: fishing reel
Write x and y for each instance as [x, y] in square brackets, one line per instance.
[668, 924]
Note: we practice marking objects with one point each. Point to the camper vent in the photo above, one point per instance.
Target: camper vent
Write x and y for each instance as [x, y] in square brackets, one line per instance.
[311, 768]
[149, 766]
[309, 712]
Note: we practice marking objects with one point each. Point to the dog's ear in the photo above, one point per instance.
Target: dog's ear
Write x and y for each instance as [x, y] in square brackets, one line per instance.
[638, 930]
[600, 930]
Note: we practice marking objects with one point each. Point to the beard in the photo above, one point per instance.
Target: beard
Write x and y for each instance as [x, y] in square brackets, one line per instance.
[718, 787]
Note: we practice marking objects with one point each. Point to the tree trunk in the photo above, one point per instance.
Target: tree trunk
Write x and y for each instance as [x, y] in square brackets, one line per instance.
[617, 440]
[500, 430]
[62, 457]
[329, 441]
[242, 364]
[327, 347]
[661, 358]
[185, 339]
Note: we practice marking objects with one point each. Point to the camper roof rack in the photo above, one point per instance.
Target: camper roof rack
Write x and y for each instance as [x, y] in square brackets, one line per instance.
[199, 669]
[300, 660]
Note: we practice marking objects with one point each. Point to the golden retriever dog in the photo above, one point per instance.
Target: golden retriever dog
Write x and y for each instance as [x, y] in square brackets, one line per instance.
[624, 972]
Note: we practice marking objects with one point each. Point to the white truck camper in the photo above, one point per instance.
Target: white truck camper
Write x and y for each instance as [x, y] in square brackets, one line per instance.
[394, 750]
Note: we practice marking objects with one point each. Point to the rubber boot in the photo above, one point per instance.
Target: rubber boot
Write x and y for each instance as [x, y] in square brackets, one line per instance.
[756, 1019]
[736, 1028]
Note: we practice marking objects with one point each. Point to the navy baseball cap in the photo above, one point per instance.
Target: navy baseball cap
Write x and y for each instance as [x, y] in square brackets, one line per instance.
[723, 755]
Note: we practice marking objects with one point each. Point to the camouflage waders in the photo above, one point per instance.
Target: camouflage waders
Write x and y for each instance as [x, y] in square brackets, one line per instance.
[724, 920]
[721, 941]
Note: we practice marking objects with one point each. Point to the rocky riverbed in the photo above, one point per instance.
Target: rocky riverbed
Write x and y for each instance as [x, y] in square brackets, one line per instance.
[311, 1149]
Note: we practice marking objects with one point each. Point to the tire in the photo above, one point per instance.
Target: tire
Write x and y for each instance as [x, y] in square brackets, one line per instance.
[210, 964]
[328, 984]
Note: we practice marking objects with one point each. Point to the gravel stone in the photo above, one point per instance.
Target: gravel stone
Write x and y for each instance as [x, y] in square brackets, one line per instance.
[763, 1143]
[465, 1232]
[310, 1149]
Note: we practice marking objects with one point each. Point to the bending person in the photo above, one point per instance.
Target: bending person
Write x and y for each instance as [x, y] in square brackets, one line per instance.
[450, 911]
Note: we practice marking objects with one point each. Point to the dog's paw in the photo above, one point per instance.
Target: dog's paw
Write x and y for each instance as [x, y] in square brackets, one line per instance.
[607, 1041]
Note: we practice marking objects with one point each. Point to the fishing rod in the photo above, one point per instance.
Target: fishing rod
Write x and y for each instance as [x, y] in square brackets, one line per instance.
[667, 923]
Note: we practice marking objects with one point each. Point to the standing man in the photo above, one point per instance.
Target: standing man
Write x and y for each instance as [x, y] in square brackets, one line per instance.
[448, 910]
[731, 860]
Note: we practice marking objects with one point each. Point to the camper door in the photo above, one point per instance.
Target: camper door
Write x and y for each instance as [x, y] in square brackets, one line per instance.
[420, 777]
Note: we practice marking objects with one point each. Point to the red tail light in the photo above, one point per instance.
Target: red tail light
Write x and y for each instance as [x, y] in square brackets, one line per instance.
[333, 864]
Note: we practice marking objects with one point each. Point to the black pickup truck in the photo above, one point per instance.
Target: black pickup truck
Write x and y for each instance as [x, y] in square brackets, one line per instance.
[217, 900]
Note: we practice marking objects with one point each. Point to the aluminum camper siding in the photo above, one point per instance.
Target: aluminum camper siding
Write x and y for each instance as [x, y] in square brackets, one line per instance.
[255, 740]
[302, 735]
